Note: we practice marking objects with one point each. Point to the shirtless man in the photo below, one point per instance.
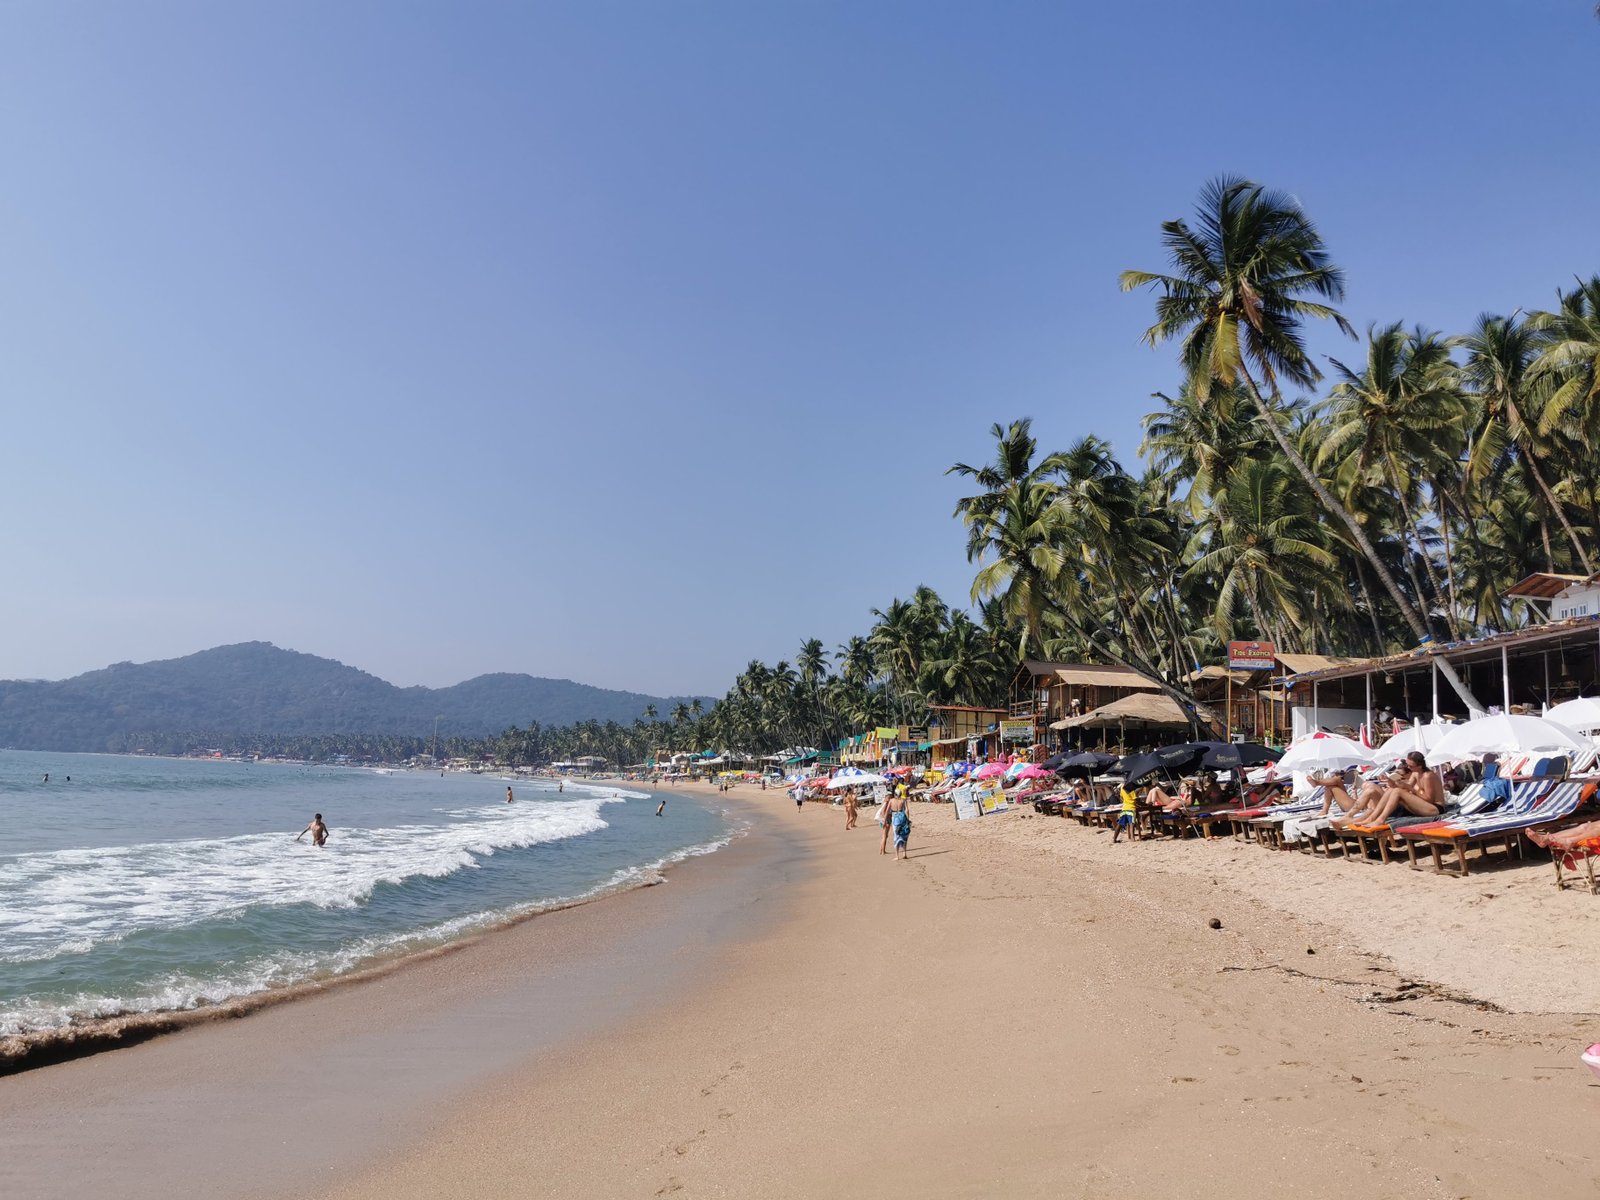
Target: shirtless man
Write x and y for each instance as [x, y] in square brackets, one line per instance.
[317, 830]
[508, 794]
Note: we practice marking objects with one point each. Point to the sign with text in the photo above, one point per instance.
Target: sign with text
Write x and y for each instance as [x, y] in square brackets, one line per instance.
[966, 802]
[1252, 656]
[1016, 731]
[992, 798]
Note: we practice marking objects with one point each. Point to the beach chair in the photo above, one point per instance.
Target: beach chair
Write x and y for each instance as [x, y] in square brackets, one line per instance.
[1266, 828]
[1584, 763]
[1239, 818]
[1570, 858]
[1533, 803]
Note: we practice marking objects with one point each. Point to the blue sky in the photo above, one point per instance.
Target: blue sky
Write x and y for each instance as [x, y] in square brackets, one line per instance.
[629, 342]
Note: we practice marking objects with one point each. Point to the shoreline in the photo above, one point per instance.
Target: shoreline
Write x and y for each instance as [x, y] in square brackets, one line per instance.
[415, 1035]
[1016, 1008]
[84, 1036]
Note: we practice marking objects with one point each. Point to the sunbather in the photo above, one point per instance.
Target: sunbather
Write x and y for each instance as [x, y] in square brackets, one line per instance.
[1421, 794]
[1572, 835]
[1369, 797]
[1335, 786]
[1564, 839]
[1158, 797]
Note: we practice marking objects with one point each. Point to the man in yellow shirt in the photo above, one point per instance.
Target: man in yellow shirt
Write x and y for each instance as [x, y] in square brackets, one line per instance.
[1129, 816]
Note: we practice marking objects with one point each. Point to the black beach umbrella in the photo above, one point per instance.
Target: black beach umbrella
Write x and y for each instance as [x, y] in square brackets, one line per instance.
[1253, 754]
[1219, 756]
[1168, 758]
[1083, 765]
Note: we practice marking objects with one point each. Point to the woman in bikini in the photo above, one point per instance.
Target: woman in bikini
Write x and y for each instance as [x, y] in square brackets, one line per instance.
[1420, 793]
[1157, 797]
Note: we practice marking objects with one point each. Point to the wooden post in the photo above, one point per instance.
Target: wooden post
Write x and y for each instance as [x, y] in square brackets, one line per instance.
[1433, 665]
[1370, 732]
[1505, 680]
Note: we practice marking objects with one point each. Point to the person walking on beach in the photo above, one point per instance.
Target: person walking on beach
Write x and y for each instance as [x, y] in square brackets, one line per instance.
[900, 822]
[1128, 818]
[881, 795]
[799, 797]
[317, 830]
[852, 806]
[508, 793]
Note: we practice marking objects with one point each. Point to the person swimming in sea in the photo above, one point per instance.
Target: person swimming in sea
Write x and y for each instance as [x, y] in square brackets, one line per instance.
[661, 806]
[317, 830]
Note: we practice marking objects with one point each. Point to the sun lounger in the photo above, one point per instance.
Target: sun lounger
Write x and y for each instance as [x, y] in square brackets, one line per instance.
[1532, 804]
[1265, 825]
[1570, 858]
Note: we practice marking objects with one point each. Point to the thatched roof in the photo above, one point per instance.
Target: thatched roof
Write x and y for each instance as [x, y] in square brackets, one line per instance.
[1139, 709]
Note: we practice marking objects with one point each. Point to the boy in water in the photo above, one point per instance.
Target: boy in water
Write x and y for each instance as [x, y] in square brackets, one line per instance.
[317, 830]
[661, 806]
[508, 794]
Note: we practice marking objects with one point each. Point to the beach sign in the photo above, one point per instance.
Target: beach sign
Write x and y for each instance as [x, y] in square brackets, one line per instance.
[1016, 731]
[1252, 656]
[991, 799]
[966, 802]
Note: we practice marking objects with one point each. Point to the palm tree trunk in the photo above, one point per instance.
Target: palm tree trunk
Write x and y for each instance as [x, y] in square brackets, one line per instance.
[1544, 488]
[1418, 630]
[1427, 559]
[1449, 565]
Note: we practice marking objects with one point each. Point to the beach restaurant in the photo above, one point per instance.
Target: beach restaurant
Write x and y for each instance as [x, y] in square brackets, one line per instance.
[1247, 695]
[1521, 671]
[1045, 694]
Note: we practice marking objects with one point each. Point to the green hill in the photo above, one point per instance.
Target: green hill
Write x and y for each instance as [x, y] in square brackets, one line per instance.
[255, 688]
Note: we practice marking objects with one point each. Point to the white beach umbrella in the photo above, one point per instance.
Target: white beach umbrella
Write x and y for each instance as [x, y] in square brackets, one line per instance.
[1505, 734]
[1418, 737]
[1323, 752]
[854, 777]
[1582, 714]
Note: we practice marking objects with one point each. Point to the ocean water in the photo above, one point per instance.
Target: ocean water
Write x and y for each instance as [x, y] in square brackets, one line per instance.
[144, 885]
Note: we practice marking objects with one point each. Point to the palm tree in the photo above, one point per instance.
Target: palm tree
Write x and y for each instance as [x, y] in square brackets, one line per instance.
[1500, 356]
[1243, 282]
[1263, 548]
[1021, 523]
[1403, 414]
[1569, 359]
[1014, 520]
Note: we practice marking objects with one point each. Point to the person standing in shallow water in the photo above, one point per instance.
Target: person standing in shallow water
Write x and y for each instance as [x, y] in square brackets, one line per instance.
[317, 830]
[508, 794]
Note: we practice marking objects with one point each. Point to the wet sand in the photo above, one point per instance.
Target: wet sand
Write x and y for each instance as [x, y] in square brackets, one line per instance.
[280, 1101]
[1019, 1010]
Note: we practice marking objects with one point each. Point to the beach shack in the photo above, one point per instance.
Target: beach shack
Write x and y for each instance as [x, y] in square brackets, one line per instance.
[963, 733]
[1046, 695]
[1520, 671]
[1250, 699]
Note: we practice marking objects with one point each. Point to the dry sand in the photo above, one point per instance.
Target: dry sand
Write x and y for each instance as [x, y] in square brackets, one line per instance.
[1022, 1009]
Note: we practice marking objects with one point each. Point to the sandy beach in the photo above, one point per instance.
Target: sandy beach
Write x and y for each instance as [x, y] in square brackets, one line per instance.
[1021, 1009]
